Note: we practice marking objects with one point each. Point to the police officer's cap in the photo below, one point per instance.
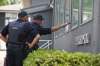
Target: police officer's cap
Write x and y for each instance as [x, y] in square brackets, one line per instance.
[22, 14]
[38, 17]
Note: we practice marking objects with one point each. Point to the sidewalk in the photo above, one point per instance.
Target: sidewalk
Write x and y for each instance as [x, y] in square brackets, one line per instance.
[2, 52]
[2, 56]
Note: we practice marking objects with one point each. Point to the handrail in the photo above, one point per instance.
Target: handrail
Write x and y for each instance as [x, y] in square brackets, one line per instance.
[47, 43]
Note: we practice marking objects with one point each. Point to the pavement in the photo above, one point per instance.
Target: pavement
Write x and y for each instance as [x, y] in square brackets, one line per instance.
[2, 56]
[2, 52]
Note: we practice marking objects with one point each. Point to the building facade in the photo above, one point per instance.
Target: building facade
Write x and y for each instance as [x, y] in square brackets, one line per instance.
[83, 33]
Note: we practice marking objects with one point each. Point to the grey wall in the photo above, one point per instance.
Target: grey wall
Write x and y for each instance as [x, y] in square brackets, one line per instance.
[86, 28]
[37, 2]
[68, 41]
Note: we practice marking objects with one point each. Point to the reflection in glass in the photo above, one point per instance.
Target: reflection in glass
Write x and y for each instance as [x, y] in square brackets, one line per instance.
[87, 10]
[75, 12]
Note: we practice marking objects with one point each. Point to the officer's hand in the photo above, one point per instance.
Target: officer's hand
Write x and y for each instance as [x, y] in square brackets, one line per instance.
[34, 41]
[67, 23]
[29, 45]
[64, 25]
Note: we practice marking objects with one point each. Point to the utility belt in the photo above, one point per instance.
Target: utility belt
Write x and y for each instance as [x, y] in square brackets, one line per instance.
[16, 43]
[18, 46]
[22, 45]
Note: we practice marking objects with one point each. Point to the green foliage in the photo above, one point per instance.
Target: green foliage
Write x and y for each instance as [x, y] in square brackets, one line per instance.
[9, 2]
[44, 57]
[3, 2]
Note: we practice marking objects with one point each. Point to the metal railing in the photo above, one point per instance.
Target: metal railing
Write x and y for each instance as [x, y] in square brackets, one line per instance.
[47, 44]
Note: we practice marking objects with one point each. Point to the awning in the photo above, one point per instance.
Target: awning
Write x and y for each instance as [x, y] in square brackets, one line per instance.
[38, 5]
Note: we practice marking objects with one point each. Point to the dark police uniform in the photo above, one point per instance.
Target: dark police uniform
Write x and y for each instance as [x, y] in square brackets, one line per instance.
[20, 32]
[17, 32]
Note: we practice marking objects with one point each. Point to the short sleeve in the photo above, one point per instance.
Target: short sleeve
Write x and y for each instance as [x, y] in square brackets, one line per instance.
[4, 31]
[44, 31]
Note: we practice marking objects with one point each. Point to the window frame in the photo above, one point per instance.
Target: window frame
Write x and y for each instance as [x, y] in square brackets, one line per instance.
[89, 20]
[69, 15]
[80, 22]
[80, 15]
[62, 31]
[76, 25]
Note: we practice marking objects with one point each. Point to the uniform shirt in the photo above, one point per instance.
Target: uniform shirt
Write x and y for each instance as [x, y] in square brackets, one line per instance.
[42, 31]
[37, 29]
[5, 31]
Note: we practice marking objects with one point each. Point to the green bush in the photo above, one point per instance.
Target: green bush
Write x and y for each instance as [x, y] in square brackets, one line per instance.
[44, 57]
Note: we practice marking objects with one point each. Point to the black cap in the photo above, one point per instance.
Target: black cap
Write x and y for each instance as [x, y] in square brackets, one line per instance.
[38, 17]
[22, 14]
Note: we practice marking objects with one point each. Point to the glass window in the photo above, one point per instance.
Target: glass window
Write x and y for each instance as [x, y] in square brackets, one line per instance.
[75, 12]
[87, 10]
[59, 14]
[67, 14]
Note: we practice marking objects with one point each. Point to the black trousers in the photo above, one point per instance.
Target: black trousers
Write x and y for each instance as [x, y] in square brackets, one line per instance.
[15, 55]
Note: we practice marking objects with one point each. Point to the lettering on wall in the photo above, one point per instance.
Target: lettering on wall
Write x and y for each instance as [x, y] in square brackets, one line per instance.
[82, 39]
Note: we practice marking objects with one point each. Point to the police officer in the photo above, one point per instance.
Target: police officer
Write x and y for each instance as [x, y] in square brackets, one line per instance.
[37, 21]
[15, 34]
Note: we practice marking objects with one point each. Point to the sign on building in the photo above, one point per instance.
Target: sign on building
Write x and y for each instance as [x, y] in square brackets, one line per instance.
[82, 39]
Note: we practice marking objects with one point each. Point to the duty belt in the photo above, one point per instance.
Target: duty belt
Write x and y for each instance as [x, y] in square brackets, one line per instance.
[16, 43]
